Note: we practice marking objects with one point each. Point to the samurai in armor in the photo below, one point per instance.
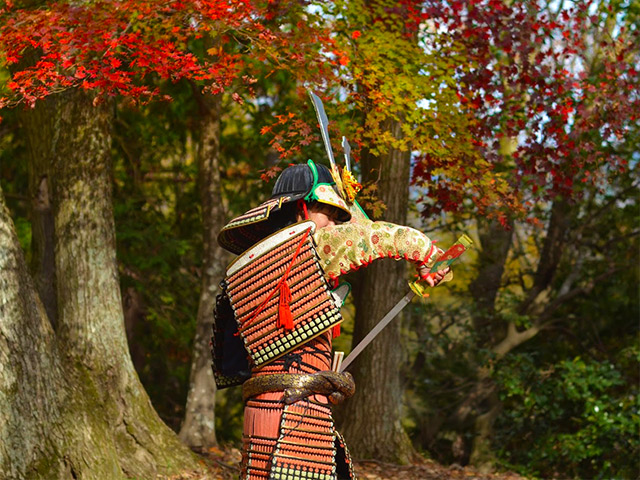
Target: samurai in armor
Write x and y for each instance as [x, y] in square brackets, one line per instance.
[280, 309]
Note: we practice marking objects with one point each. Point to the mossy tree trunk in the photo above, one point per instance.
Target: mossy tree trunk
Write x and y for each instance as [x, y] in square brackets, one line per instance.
[372, 417]
[40, 139]
[73, 404]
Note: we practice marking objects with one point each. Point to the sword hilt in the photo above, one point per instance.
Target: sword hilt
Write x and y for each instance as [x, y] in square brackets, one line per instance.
[445, 260]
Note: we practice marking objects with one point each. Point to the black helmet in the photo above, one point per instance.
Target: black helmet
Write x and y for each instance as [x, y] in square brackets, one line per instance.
[297, 181]
[307, 181]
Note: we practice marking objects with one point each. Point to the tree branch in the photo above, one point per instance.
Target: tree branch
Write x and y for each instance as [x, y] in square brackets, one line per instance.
[588, 222]
[585, 290]
[514, 338]
[607, 245]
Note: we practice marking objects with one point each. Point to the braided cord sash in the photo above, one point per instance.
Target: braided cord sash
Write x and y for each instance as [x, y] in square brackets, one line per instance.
[337, 387]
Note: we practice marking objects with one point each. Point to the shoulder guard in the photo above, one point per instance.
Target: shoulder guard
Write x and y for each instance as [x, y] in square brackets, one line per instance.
[280, 277]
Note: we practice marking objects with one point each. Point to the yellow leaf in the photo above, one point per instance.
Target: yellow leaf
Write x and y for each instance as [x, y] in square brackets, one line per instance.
[508, 145]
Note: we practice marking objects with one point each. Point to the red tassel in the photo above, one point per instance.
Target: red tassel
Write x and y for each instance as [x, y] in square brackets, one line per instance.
[336, 331]
[285, 318]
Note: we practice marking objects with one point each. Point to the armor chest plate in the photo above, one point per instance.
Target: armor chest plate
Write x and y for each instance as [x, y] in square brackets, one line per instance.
[284, 262]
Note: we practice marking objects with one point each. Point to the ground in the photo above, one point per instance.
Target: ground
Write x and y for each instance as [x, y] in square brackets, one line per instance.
[223, 464]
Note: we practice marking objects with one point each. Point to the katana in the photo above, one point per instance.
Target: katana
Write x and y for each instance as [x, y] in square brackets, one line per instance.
[417, 288]
[376, 330]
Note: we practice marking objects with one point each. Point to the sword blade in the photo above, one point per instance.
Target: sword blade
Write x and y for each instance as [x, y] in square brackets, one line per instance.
[324, 125]
[377, 329]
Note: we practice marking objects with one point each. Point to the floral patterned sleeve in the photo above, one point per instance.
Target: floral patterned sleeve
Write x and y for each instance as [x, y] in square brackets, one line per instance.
[349, 246]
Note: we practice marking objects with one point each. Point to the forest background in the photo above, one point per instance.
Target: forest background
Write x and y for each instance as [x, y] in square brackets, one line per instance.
[132, 130]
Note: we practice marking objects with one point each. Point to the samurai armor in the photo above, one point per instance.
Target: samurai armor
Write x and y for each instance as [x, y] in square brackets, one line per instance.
[285, 312]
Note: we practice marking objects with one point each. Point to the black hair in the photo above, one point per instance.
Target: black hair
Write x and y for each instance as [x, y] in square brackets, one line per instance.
[283, 217]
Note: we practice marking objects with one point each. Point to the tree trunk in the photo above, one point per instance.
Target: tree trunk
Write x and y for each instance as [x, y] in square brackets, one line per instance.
[495, 242]
[552, 249]
[32, 384]
[77, 408]
[40, 140]
[198, 429]
[482, 456]
[372, 418]
[482, 405]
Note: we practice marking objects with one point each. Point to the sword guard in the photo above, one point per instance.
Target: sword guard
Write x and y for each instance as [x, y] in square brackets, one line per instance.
[419, 288]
